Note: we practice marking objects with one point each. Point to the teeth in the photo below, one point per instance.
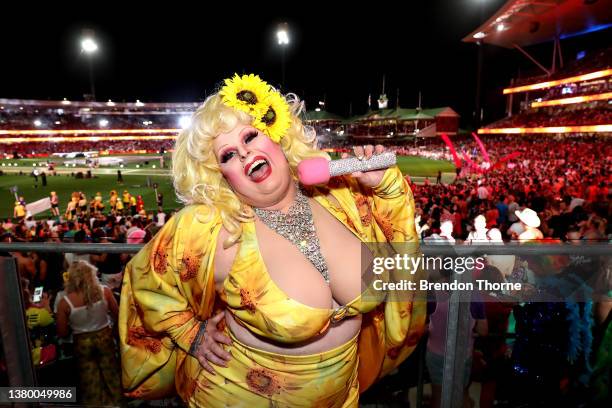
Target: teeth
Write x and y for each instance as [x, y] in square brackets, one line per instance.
[255, 164]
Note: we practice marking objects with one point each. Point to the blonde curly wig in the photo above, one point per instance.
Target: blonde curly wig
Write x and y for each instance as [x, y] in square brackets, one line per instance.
[196, 174]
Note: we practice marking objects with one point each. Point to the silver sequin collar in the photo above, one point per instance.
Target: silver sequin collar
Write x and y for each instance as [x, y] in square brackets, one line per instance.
[297, 226]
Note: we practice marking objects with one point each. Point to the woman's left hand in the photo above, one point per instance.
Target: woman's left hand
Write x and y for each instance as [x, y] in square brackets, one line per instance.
[367, 178]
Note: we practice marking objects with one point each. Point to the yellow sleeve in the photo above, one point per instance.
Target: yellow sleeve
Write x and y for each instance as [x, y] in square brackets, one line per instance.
[168, 290]
[393, 207]
[391, 331]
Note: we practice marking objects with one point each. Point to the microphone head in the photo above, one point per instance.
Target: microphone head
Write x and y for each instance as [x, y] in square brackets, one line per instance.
[313, 171]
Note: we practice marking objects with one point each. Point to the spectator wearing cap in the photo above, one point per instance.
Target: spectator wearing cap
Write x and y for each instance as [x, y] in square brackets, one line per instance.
[530, 221]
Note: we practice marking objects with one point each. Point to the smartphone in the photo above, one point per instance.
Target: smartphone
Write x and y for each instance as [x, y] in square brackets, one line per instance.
[38, 292]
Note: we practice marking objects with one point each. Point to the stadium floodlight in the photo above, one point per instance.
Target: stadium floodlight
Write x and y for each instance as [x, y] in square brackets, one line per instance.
[89, 45]
[479, 35]
[282, 36]
[184, 122]
[37, 123]
[103, 123]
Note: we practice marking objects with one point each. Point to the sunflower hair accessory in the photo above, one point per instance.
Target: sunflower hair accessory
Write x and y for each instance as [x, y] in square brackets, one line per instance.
[252, 95]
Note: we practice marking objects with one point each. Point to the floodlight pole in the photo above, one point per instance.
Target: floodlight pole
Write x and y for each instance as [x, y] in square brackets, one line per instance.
[477, 113]
[92, 85]
[283, 51]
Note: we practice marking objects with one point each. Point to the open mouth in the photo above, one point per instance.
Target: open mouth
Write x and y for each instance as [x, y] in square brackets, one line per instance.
[258, 169]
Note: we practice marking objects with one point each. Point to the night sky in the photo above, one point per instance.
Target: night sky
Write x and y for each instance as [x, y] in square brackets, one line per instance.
[180, 53]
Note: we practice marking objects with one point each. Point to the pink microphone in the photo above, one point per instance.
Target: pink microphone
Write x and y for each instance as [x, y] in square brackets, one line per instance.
[320, 170]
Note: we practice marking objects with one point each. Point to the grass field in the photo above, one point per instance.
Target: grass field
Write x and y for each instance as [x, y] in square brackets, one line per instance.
[64, 185]
[135, 181]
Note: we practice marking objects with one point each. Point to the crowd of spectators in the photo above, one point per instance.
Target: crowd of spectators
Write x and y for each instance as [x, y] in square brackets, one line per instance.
[593, 61]
[129, 145]
[572, 115]
[59, 119]
[563, 182]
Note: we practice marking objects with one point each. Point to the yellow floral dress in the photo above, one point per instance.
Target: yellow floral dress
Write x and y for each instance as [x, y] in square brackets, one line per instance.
[169, 289]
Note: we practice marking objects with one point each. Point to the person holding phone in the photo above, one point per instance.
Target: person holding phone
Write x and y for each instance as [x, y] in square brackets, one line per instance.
[40, 323]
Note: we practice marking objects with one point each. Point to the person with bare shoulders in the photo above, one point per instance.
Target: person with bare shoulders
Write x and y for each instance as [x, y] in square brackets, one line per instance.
[251, 295]
[86, 310]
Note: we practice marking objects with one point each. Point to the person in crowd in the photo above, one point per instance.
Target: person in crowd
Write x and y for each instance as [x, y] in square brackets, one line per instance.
[71, 209]
[87, 311]
[82, 204]
[98, 203]
[113, 200]
[54, 204]
[493, 347]
[479, 234]
[41, 326]
[133, 206]
[436, 341]
[80, 237]
[125, 199]
[531, 221]
[140, 205]
[19, 212]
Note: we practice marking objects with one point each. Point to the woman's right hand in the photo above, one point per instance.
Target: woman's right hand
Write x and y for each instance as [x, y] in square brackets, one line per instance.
[209, 350]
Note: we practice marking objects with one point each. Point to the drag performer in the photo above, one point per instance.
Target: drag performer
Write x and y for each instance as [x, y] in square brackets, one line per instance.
[251, 295]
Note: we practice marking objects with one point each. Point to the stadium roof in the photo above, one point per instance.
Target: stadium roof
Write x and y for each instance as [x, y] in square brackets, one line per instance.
[405, 114]
[527, 22]
[319, 115]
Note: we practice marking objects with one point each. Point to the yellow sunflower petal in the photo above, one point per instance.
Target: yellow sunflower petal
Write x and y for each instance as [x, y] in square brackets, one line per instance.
[247, 93]
[276, 119]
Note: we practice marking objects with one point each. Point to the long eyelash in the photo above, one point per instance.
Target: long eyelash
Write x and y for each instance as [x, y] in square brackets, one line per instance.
[250, 136]
[226, 156]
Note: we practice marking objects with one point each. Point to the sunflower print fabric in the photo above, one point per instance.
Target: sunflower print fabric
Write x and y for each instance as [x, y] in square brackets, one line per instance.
[169, 289]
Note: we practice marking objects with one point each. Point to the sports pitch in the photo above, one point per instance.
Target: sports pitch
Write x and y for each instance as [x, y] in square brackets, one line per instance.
[138, 174]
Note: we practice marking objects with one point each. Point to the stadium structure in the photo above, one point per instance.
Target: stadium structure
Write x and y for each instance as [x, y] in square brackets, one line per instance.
[571, 96]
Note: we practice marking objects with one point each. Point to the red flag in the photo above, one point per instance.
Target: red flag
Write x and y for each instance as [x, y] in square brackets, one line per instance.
[452, 150]
[485, 155]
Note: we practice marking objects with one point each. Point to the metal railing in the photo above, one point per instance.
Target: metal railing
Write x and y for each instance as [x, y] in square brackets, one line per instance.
[16, 340]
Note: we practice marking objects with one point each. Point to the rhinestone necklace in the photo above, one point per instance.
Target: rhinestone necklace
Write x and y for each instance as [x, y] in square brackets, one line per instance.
[297, 226]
